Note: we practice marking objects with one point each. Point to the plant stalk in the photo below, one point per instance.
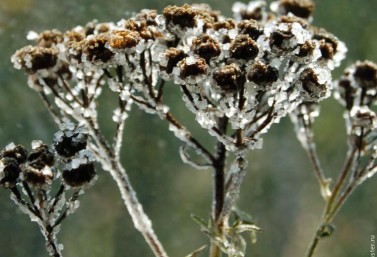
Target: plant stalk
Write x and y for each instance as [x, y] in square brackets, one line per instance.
[140, 219]
[219, 187]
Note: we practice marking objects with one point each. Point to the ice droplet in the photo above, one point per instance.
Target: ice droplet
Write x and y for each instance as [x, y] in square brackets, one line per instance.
[32, 35]
[73, 206]
[10, 146]
[36, 143]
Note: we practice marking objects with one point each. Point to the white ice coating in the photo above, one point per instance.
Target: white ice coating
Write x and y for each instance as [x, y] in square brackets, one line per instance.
[72, 206]
[2, 173]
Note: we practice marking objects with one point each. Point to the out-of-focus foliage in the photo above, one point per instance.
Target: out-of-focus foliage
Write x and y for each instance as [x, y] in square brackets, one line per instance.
[280, 190]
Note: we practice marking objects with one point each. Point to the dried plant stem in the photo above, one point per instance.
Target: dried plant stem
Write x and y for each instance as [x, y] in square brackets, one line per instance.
[313, 246]
[118, 138]
[215, 250]
[109, 159]
[51, 243]
[219, 187]
[334, 203]
[46, 228]
[312, 152]
[141, 221]
[340, 181]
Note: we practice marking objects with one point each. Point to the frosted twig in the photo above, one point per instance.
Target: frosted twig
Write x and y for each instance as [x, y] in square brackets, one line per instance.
[233, 184]
[135, 209]
[186, 158]
[118, 138]
[54, 114]
[312, 152]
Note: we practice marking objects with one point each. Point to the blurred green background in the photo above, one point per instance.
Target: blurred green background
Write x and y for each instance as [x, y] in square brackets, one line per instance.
[280, 190]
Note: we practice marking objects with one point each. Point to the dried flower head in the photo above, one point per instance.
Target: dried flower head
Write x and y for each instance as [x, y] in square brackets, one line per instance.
[262, 74]
[34, 58]
[70, 140]
[307, 49]
[281, 40]
[363, 117]
[192, 66]
[244, 47]
[79, 171]
[251, 28]
[358, 85]
[170, 58]
[122, 39]
[229, 78]
[366, 74]
[40, 156]
[300, 8]
[9, 172]
[328, 43]
[16, 152]
[49, 38]
[147, 17]
[182, 16]
[206, 47]
[226, 24]
[315, 84]
[94, 48]
[38, 178]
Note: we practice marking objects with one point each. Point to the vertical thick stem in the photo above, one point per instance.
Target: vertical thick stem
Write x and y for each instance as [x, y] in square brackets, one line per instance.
[135, 209]
[219, 187]
[51, 243]
[219, 176]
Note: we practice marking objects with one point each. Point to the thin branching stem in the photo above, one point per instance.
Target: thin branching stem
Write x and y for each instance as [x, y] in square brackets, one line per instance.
[69, 91]
[135, 209]
[174, 122]
[160, 91]
[335, 201]
[57, 198]
[341, 180]
[313, 156]
[54, 114]
[313, 246]
[118, 138]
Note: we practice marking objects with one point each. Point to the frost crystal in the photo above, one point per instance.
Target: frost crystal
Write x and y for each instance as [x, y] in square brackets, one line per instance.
[36, 144]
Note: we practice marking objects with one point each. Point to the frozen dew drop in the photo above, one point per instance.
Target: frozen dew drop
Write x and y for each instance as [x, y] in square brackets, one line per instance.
[32, 35]
[36, 143]
[10, 146]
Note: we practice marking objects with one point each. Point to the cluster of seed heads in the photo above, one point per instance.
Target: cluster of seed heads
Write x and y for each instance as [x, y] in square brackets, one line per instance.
[238, 76]
[42, 165]
[251, 70]
[32, 177]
